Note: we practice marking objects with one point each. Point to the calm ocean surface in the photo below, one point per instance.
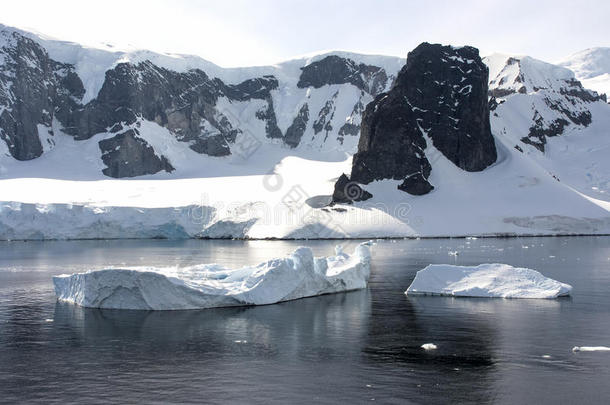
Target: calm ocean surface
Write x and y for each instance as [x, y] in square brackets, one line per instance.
[353, 347]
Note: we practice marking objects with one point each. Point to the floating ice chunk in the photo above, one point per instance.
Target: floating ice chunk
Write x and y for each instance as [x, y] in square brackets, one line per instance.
[591, 349]
[429, 346]
[485, 280]
[453, 253]
[206, 286]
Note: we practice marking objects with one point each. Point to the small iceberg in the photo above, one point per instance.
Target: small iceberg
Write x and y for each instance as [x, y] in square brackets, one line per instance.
[485, 280]
[429, 346]
[591, 349]
[299, 275]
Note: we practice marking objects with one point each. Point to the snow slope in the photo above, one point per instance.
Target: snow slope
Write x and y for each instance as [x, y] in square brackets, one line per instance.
[485, 280]
[592, 68]
[207, 286]
[542, 107]
[516, 196]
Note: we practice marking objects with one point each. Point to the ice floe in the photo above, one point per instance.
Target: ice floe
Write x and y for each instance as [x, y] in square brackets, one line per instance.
[485, 280]
[210, 285]
[591, 349]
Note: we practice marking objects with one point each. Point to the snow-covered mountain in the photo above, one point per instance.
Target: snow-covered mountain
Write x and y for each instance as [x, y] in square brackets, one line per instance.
[53, 89]
[427, 143]
[545, 113]
[256, 152]
[592, 68]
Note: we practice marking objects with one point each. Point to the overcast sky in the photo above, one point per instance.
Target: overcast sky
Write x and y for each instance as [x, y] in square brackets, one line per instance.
[243, 33]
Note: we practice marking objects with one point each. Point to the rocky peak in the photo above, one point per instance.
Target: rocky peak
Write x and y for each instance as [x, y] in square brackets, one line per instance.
[334, 69]
[439, 97]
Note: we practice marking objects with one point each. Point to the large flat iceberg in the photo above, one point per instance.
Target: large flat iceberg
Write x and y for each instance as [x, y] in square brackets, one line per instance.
[207, 286]
[485, 280]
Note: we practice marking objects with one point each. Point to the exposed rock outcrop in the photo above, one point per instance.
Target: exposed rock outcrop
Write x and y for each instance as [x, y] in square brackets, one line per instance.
[128, 155]
[295, 131]
[334, 69]
[439, 97]
[347, 191]
[34, 90]
[185, 103]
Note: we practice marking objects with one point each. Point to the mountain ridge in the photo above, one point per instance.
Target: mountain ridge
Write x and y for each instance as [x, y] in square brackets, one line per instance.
[259, 157]
[146, 86]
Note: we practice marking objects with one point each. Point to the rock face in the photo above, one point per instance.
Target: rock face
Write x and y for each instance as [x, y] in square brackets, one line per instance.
[295, 132]
[185, 103]
[127, 155]
[337, 70]
[33, 91]
[40, 96]
[440, 96]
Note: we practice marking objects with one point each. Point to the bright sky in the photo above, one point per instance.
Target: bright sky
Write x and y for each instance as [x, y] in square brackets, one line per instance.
[256, 32]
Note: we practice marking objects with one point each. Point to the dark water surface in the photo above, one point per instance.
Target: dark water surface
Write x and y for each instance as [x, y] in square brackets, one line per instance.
[354, 347]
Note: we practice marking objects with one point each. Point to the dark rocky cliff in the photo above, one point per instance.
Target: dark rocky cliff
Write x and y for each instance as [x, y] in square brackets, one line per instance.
[334, 69]
[440, 96]
[34, 89]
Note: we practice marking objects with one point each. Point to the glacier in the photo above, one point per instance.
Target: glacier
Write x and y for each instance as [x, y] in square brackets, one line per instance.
[299, 275]
[486, 280]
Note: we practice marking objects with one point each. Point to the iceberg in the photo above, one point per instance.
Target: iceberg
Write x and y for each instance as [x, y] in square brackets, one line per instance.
[299, 275]
[485, 280]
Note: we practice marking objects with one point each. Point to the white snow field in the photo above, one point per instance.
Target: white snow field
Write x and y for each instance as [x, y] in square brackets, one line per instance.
[273, 195]
[485, 280]
[210, 285]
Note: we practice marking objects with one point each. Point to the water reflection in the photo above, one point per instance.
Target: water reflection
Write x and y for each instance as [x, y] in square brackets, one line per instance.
[462, 366]
[336, 322]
